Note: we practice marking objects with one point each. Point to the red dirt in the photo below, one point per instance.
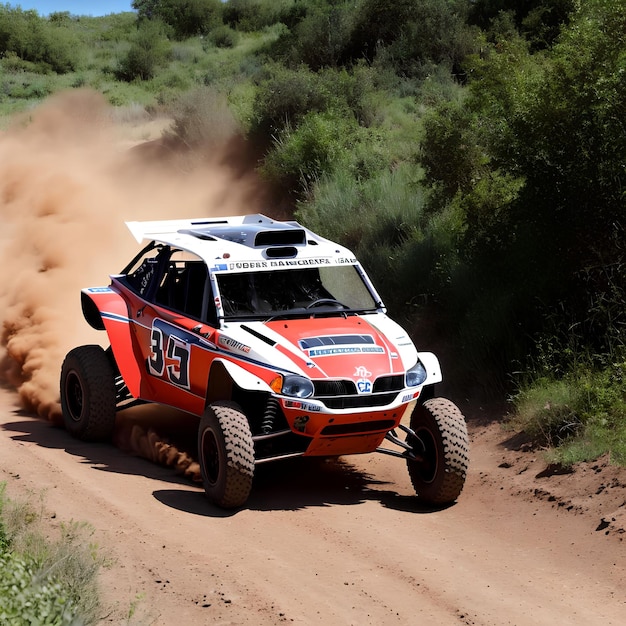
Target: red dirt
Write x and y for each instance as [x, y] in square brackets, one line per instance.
[341, 542]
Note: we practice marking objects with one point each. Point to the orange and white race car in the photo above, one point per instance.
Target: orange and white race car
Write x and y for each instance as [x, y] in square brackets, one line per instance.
[277, 340]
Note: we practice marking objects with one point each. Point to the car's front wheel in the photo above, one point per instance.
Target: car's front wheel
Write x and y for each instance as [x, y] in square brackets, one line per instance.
[226, 453]
[442, 447]
[88, 394]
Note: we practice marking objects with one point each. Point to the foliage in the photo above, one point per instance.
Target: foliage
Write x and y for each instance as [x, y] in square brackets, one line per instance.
[255, 15]
[540, 21]
[583, 413]
[286, 96]
[187, 18]
[43, 46]
[414, 36]
[320, 38]
[302, 155]
[223, 37]
[45, 581]
[149, 50]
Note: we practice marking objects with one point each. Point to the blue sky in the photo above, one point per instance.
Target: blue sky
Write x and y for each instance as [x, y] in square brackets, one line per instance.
[75, 7]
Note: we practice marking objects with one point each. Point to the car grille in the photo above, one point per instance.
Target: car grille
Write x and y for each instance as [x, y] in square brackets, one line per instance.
[342, 394]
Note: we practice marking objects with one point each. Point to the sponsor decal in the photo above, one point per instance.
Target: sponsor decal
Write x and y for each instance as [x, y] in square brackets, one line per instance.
[274, 263]
[345, 350]
[363, 382]
[233, 344]
[340, 344]
[248, 265]
[331, 351]
[299, 262]
[410, 396]
[303, 406]
[99, 290]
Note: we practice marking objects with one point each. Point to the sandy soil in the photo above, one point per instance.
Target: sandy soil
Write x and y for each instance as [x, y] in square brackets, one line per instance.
[338, 543]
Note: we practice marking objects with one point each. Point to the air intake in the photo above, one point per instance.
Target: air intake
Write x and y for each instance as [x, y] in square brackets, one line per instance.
[284, 252]
[290, 237]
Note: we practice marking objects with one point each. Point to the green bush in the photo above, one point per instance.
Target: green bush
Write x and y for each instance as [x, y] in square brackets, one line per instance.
[48, 46]
[255, 15]
[286, 96]
[44, 581]
[148, 52]
[223, 37]
[187, 18]
[580, 416]
[302, 155]
[320, 38]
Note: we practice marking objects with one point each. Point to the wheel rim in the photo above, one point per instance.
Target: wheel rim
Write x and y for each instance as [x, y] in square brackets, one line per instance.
[74, 396]
[210, 456]
[426, 448]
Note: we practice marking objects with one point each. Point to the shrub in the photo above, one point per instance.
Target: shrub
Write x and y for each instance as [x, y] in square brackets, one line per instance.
[48, 46]
[254, 15]
[320, 38]
[187, 18]
[302, 155]
[287, 96]
[149, 50]
[44, 581]
[580, 416]
[223, 37]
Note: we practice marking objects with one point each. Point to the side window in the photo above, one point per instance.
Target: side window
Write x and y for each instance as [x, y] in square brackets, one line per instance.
[185, 288]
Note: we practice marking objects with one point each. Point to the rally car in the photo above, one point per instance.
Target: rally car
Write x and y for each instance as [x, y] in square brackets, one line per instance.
[277, 340]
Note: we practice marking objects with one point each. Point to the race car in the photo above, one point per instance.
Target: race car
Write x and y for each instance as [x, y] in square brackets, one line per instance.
[276, 339]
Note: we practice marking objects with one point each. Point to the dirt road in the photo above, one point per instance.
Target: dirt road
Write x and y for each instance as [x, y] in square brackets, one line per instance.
[324, 543]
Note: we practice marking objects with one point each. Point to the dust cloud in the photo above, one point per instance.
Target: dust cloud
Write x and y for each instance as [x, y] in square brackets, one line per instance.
[68, 182]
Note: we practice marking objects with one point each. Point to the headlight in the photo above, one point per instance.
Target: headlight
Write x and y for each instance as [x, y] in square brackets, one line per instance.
[416, 375]
[297, 387]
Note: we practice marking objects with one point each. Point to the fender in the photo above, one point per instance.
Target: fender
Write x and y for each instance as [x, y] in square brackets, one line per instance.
[104, 309]
[224, 374]
[432, 367]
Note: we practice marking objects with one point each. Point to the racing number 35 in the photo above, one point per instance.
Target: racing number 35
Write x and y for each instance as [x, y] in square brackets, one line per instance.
[169, 356]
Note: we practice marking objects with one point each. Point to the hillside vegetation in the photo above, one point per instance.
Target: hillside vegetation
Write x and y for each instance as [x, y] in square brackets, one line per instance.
[473, 154]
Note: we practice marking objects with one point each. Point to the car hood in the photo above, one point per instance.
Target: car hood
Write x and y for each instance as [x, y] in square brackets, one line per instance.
[356, 347]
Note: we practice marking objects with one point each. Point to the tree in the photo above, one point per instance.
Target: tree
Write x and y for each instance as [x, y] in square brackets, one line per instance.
[149, 50]
[47, 46]
[187, 18]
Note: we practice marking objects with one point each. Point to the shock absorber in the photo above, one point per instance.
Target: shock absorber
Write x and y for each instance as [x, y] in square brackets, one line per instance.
[269, 417]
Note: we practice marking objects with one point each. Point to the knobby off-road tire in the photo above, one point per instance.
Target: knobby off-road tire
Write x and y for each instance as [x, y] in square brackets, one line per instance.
[226, 453]
[88, 394]
[441, 428]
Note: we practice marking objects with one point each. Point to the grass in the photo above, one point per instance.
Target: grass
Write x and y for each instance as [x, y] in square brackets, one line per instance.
[578, 417]
[48, 573]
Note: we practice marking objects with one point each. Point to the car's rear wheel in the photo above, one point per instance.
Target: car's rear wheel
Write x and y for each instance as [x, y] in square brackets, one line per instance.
[226, 453]
[88, 394]
[442, 445]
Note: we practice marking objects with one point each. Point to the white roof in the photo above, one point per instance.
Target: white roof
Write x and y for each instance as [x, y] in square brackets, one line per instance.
[243, 238]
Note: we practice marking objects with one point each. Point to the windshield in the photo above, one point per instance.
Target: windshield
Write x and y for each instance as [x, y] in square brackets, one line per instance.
[299, 291]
